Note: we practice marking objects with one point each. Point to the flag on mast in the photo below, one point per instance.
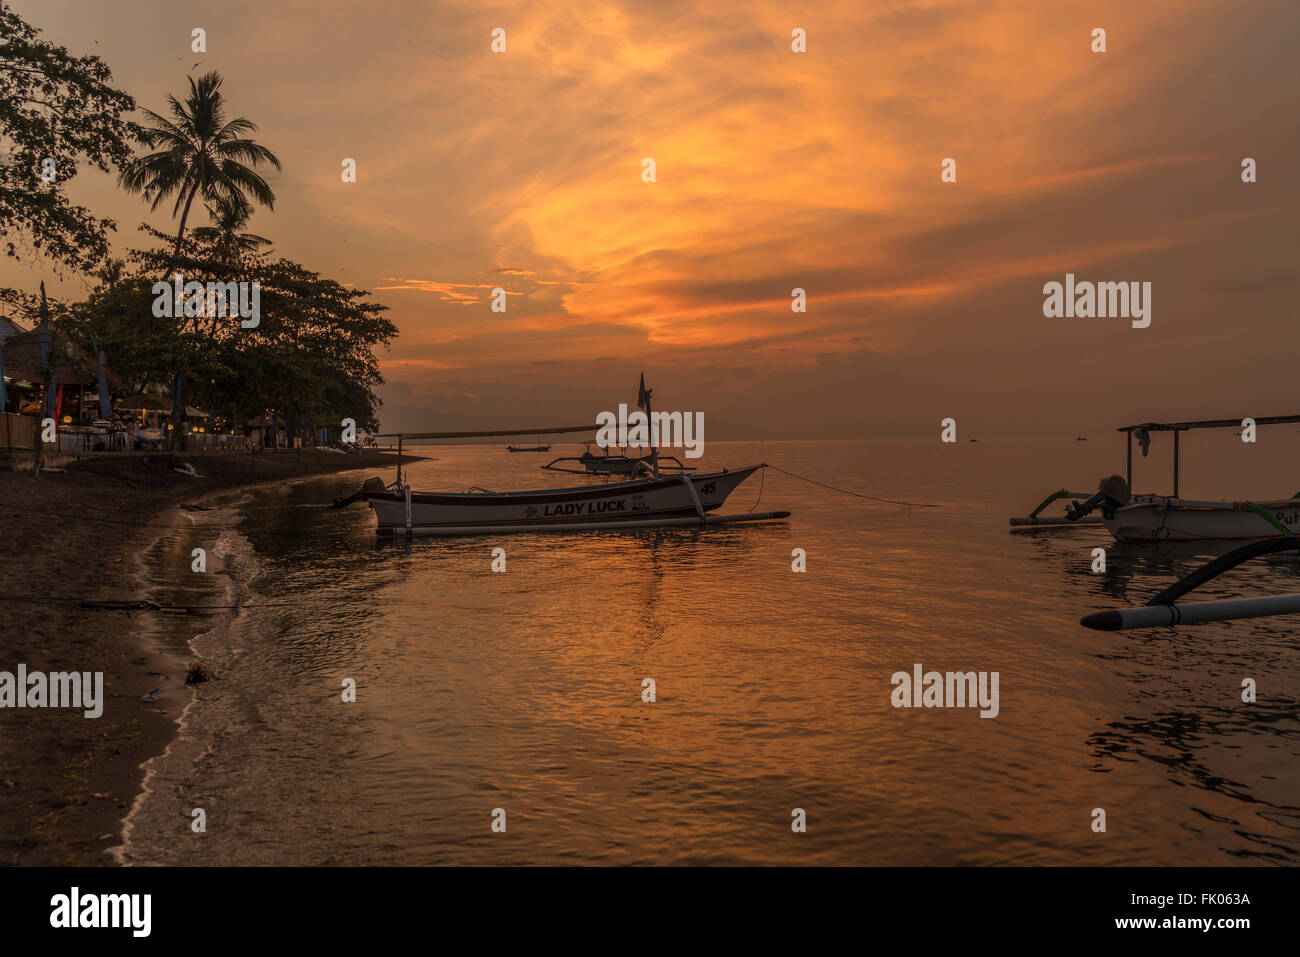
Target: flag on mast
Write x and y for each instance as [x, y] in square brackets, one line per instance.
[643, 396]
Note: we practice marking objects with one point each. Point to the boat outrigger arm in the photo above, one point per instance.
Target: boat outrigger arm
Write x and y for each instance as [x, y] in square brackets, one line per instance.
[1163, 610]
[1032, 518]
[498, 433]
[621, 464]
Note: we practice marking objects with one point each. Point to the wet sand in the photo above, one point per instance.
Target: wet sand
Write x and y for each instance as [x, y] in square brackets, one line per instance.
[66, 782]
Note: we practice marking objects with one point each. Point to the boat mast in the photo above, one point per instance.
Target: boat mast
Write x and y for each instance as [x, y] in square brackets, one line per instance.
[1176, 434]
[643, 400]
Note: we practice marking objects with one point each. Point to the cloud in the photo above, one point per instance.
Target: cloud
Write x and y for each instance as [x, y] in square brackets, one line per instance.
[778, 170]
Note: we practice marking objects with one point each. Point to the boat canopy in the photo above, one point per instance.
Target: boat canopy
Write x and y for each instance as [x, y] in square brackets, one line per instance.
[1207, 424]
[1142, 433]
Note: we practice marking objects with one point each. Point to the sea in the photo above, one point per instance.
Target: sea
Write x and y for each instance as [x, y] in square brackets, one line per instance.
[685, 696]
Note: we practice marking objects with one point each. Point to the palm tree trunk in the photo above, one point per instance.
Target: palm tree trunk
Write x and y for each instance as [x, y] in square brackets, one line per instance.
[177, 441]
[180, 234]
[185, 214]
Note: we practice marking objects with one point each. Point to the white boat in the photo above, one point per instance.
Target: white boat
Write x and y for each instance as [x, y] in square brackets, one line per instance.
[1160, 518]
[652, 501]
[656, 499]
[1146, 519]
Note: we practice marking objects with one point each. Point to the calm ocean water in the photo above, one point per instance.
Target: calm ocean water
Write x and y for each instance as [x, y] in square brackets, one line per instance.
[522, 690]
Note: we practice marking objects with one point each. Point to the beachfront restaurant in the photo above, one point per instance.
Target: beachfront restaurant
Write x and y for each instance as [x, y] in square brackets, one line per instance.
[76, 382]
[95, 413]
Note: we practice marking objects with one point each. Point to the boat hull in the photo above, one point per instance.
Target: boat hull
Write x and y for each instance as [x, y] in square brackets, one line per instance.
[638, 503]
[1168, 520]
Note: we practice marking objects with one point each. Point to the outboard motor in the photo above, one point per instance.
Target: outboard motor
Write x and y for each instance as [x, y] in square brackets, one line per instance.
[1112, 493]
[372, 484]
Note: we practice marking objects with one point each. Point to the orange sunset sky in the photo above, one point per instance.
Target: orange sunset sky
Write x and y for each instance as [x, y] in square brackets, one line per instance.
[775, 170]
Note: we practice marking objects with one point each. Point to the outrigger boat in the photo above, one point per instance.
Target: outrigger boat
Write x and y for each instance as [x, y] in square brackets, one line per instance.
[656, 499]
[528, 448]
[1145, 519]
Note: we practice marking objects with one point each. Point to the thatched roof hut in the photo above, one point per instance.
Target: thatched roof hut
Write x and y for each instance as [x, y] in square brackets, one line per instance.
[9, 329]
[72, 365]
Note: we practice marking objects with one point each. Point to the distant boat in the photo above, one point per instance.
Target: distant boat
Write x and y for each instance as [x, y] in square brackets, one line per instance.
[1081, 438]
[528, 448]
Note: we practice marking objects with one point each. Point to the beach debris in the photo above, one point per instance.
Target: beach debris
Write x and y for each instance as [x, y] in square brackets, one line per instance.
[187, 469]
[151, 697]
[132, 604]
[196, 672]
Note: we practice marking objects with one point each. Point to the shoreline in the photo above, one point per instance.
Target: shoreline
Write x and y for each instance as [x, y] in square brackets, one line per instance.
[171, 656]
[67, 784]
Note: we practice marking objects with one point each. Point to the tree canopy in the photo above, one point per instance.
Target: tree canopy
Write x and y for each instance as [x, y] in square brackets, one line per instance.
[57, 113]
[312, 351]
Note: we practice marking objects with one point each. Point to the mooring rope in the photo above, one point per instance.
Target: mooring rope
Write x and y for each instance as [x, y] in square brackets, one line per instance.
[845, 491]
[762, 480]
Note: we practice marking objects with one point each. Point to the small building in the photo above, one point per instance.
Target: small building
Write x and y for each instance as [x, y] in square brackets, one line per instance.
[72, 368]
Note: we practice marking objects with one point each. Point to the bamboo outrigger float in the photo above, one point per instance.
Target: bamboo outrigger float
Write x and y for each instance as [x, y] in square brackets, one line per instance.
[652, 498]
[1146, 519]
[1164, 610]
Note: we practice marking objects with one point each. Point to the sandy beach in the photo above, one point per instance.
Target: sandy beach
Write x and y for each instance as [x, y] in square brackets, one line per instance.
[66, 782]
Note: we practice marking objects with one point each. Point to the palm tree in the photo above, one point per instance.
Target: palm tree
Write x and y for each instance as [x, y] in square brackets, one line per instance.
[198, 152]
[229, 219]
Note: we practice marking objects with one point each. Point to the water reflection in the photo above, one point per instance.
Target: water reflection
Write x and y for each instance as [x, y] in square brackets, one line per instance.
[1180, 706]
[523, 689]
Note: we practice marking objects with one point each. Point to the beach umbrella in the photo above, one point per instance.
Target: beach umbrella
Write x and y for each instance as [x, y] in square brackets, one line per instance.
[143, 403]
[105, 406]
